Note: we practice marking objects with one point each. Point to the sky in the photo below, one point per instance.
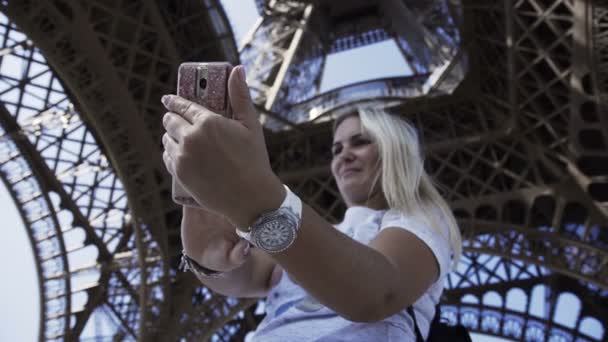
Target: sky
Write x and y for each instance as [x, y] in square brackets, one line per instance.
[19, 298]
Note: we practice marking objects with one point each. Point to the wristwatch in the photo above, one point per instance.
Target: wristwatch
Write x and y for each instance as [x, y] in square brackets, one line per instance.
[276, 230]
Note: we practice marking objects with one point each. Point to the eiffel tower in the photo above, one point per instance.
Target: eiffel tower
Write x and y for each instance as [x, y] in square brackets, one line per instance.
[509, 96]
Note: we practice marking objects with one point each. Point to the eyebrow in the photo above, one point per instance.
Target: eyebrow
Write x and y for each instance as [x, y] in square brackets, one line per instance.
[357, 135]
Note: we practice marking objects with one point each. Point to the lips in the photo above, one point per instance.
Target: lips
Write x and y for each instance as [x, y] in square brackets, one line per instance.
[348, 172]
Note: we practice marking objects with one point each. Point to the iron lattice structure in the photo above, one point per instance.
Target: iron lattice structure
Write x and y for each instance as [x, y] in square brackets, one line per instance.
[510, 98]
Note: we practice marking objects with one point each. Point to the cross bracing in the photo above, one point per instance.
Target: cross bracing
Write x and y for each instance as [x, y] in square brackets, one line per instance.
[510, 101]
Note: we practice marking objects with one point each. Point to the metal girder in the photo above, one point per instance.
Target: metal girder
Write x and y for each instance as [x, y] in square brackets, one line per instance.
[43, 184]
[77, 56]
[271, 48]
[593, 300]
[48, 183]
[199, 30]
[501, 305]
[285, 53]
[509, 304]
[141, 64]
[520, 146]
[68, 42]
[473, 169]
[423, 46]
[510, 324]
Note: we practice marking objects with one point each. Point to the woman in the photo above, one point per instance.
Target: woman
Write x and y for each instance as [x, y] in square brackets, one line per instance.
[394, 248]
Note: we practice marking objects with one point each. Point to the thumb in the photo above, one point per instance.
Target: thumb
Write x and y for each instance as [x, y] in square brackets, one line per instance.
[243, 109]
[239, 253]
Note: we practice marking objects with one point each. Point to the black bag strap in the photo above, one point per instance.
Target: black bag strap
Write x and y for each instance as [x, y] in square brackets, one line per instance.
[410, 310]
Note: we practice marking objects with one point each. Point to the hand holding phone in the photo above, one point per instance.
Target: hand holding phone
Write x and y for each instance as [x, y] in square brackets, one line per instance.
[207, 85]
[223, 162]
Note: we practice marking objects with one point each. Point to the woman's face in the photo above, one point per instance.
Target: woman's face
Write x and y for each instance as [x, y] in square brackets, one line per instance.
[355, 164]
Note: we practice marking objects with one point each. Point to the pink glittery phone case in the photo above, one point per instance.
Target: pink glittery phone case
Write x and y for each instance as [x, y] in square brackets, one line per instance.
[207, 85]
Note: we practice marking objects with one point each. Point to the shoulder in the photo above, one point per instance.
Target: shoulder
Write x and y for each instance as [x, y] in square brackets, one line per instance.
[433, 231]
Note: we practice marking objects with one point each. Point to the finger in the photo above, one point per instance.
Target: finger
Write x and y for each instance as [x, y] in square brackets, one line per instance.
[168, 163]
[239, 253]
[187, 109]
[175, 125]
[240, 99]
[171, 147]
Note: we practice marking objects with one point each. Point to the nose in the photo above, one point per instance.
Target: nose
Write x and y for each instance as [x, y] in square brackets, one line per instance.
[346, 155]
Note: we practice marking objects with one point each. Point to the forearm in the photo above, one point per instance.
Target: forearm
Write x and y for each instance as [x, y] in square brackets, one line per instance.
[334, 269]
[250, 280]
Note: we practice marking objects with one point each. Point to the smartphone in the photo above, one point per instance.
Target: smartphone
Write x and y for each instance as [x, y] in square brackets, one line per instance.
[206, 84]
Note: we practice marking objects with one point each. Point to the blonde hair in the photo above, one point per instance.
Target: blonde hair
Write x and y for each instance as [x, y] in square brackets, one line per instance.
[405, 184]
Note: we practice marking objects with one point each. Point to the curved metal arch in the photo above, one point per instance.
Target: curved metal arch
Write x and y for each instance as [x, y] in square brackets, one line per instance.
[55, 284]
[73, 37]
[501, 322]
[97, 86]
[109, 88]
[35, 130]
[578, 260]
[494, 85]
[46, 323]
[520, 321]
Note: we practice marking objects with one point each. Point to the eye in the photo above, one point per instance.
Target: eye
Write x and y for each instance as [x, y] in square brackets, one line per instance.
[336, 149]
[361, 141]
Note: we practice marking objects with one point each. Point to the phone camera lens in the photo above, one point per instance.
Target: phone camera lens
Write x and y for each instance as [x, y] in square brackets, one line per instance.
[202, 83]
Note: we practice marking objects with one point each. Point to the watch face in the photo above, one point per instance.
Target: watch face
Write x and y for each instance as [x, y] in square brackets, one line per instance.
[276, 233]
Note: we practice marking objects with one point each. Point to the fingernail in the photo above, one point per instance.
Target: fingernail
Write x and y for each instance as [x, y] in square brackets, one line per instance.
[165, 100]
[242, 73]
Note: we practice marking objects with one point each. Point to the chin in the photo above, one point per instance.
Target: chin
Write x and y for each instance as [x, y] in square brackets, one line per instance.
[354, 197]
[355, 194]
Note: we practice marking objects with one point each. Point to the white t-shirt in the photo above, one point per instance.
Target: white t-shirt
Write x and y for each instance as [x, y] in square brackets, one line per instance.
[292, 315]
